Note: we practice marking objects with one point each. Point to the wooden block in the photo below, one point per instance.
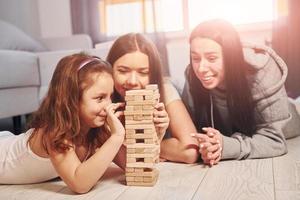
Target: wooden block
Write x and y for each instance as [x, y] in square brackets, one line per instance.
[150, 146]
[150, 131]
[150, 140]
[129, 183]
[140, 164]
[138, 112]
[130, 141]
[129, 151]
[129, 117]
[138, 107]
[138, 170]
[144, 150]
[148, 160]
[146, 121]
[142, 155]
[129, 170]
[138, 117]
[144, 183]
[130, 131]
[152, 97]
[149, 173]
[147, 117]
[130, 160]
[129, 178]
[139, 126]
[129, 108]
[151, 87]
[138, 98]
[148, 107]
[139, 92]
[129, 98]
[138, 179]
[140, 136]
[144, 102]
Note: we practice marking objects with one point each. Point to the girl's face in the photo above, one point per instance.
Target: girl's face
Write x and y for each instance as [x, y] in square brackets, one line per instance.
[207, 62]
[131, 71]
[94, 99]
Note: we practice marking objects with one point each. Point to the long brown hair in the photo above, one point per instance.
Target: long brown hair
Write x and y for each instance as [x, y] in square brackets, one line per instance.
[58, 114]
[239, 97]
[132, 42]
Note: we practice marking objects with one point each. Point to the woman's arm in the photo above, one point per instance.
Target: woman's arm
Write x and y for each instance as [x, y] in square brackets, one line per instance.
[182, 147]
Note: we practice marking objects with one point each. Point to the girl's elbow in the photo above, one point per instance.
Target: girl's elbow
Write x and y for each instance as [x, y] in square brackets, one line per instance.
[80, 188]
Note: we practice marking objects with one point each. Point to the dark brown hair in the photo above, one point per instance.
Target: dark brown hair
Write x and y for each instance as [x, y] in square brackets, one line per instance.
[239, 97]
[58, 114]
[132, 42]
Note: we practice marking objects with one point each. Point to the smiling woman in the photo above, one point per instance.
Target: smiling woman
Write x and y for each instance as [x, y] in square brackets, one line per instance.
[236, 95]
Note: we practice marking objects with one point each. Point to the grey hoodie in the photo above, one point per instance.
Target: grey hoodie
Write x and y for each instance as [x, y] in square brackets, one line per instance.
[273, 112]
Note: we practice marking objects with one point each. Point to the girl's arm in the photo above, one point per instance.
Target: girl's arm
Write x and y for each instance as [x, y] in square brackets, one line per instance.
[182, 147]
[82, 176]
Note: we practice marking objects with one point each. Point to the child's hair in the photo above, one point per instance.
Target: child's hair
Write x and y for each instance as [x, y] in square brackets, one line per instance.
[132, 42]
[58, 114]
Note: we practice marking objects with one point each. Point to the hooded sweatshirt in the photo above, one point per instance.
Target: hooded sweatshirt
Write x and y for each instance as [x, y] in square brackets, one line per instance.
[273, 112]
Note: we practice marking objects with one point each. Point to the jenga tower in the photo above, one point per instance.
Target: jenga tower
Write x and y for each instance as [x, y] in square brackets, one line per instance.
[141, 137]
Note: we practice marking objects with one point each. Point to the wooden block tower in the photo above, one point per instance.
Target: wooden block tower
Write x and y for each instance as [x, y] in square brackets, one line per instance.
[141, 138]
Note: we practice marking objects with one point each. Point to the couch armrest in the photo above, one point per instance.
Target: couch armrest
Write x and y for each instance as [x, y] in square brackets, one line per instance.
[79, 41]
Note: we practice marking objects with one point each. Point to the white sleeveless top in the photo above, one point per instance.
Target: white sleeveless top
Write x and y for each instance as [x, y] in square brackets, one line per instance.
[19, 165]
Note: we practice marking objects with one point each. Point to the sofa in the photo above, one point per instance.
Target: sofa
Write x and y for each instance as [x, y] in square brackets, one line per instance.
[27, 65]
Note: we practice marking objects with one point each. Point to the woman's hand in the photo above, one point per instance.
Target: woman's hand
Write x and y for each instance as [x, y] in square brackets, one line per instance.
[112, 119]
[161, 120]
[210, 145]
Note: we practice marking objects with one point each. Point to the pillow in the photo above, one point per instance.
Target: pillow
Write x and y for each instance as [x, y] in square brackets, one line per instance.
[13, 38]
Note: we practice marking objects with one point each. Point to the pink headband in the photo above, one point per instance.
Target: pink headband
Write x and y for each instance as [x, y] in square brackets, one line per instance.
[88, 61]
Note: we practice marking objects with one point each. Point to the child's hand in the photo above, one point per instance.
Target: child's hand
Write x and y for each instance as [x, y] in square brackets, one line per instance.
[161, 120]
[114, 124]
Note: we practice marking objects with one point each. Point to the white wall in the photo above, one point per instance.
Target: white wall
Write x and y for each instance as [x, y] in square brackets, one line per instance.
[55, 18]
[22, 13]
[38, 18]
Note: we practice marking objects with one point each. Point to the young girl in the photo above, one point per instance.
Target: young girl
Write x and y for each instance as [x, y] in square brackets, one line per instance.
[236, 95]
[64, 135]
[136, 63]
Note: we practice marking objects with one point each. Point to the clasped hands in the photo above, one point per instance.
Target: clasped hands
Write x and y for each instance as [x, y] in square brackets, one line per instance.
[210, 145]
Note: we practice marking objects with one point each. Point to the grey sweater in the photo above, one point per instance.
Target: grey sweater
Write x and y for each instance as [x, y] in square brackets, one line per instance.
[274, 114]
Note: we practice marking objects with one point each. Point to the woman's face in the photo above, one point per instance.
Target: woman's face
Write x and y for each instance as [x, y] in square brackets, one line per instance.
[131, 71]
[207, 62]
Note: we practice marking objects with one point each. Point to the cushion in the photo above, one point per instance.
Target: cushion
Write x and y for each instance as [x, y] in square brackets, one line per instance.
[13, 38]
[18, 69]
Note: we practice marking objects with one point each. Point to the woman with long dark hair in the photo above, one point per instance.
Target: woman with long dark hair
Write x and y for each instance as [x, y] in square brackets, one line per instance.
[235, 94]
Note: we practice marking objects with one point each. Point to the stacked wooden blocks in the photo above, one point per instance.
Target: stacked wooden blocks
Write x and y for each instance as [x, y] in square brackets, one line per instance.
[141, 138]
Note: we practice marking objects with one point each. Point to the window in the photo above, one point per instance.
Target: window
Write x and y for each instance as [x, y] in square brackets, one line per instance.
[235, 11]
[122, 16]
[119, 17]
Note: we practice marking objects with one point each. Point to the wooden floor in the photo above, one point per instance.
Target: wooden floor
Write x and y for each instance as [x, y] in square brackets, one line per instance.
[262, 179]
